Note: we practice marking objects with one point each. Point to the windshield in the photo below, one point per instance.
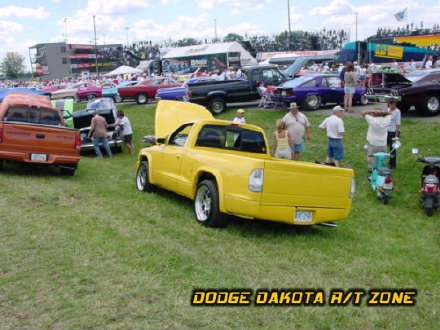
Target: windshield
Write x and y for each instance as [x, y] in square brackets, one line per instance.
[297, 82]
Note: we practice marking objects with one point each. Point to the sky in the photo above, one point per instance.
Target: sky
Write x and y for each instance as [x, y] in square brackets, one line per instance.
[25, 23]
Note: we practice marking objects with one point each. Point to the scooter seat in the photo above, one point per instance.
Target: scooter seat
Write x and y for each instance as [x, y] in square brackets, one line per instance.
[384, 171]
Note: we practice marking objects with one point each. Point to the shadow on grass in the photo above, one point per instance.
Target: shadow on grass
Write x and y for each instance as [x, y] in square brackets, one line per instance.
[28, 169]
[251, 227]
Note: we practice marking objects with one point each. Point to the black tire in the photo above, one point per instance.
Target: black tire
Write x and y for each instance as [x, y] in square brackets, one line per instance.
[430, 211]
[431, 105]
[117, 98]
[385, 199]
[142, 178]
[364, 100]
[207, 205]
[312, 102]
[91, 97]
[217, 105]
[68, 171]
[142, 98]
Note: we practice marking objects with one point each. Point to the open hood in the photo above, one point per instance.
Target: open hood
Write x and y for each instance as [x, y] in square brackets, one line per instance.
[172, 114]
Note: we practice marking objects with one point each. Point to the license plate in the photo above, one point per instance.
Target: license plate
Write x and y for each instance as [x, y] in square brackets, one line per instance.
[303, 216]
[38, 157]
[283, 93]
[388, 186]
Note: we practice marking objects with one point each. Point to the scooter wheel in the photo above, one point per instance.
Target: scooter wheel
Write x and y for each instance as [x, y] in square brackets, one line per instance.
[385, 199]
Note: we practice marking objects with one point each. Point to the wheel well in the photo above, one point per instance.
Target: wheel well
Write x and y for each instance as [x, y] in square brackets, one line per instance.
[206, 176]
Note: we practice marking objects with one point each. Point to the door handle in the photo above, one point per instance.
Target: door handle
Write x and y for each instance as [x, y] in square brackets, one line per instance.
[40, 136]
[178, 156]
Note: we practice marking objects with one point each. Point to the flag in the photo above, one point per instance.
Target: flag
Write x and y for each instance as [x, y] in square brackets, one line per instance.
[401, 15]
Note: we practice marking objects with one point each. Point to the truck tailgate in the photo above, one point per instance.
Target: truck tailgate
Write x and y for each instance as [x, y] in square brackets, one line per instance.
[25, 138]
[303, 184]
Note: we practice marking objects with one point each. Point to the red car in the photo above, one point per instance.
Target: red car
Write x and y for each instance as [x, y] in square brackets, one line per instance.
[147, 89]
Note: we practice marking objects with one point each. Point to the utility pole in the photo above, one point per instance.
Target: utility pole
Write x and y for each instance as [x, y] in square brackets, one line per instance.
[96, 48]
[215, 29]
[357, 42]
[288, 19]
[126, 28]
[67, 46]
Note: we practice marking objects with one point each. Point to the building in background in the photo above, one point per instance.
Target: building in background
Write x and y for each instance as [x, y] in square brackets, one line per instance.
[59, 60]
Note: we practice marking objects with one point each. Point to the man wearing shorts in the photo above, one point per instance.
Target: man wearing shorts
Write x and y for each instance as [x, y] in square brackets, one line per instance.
[299, 128]
[334, 126]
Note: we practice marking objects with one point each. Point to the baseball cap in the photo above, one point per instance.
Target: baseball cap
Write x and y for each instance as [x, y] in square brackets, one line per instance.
[240, 111]
[338, 108]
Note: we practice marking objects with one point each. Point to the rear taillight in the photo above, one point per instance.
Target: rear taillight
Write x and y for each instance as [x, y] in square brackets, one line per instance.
[78, 142]
[256, 180]
[388, 180]
[431, 188]
[1, 135]
[190, 94]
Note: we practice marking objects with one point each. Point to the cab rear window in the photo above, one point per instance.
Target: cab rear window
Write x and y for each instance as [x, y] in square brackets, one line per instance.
[231, 137]
[33, 115]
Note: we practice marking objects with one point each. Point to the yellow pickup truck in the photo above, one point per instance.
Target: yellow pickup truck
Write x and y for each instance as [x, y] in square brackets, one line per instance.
[227, 169]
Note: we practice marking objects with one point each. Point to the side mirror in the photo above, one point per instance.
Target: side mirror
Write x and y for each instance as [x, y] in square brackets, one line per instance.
[415, 151]
[160, 140]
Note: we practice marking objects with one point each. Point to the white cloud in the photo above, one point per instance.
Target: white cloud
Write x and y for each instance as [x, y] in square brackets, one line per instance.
[249, 4]
[117, 7]
[7, 32]
[20, 12]
[335, 7]
[235, 12]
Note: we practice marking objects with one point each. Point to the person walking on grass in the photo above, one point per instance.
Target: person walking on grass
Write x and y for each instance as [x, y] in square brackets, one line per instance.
[334, 127]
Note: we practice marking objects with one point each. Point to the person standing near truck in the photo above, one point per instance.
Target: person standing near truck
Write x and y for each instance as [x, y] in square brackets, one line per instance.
[124, 123]
[299, 128]
[334, 127]
[98, 130]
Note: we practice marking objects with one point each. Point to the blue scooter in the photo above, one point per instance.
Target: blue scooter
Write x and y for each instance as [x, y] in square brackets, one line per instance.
[381, 180]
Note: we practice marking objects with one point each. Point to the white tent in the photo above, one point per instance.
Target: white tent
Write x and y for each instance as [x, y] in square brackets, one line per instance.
[124, 69]
[206, 49]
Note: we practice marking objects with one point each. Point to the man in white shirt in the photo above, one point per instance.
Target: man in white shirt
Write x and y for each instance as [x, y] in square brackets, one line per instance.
[334, 126]
[378, 122]
[298, 126]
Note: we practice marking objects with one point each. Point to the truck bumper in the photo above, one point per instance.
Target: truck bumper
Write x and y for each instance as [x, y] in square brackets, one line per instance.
[50, 159]
[289, 214]
[382, 98]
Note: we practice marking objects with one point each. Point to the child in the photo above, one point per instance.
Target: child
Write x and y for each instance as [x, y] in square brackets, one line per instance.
[282, 140]
[239, 118]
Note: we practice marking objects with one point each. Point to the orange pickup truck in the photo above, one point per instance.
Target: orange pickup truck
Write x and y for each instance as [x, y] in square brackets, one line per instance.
[32, 131]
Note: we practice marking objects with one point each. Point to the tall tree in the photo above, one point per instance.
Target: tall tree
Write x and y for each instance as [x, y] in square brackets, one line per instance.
[12, 65]
[187, 42]
[233, 37]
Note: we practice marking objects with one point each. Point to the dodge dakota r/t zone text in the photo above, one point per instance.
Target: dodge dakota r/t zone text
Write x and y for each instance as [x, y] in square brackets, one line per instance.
[32, 131]
[227, 170]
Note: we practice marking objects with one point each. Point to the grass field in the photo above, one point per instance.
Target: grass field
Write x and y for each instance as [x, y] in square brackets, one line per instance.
[89, 251]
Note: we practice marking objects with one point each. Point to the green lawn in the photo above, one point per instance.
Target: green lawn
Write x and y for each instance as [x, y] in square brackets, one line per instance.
[91, 252]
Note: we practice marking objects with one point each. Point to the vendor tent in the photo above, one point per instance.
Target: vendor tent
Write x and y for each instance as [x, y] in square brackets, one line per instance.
[124, 69]
[207, 56]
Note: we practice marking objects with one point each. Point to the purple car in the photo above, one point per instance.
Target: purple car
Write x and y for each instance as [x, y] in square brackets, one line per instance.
[313, 91]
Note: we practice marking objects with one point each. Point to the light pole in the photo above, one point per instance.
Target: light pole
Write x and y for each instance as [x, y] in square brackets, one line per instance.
[215, 29]
[96, 48]
[126, 28]
[67, 46]
[288, 18]
[357, 42]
